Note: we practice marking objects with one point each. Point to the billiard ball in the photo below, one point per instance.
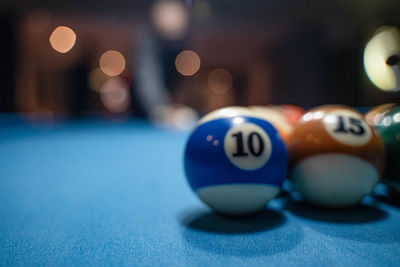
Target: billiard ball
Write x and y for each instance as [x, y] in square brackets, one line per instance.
[389, 129]
[336, 158]
[376, 114]
[276, 118]
[226, 112]
[292, 113]
[235, 164]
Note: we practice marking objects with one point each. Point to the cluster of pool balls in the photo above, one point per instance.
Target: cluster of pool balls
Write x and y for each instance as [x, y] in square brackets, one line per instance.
[237, 158]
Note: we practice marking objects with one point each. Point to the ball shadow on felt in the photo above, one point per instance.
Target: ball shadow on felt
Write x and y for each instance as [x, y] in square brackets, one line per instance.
[387, 195]
[363, 223]
[393, 199]
[208, 221]
[359, 213]
[262, 233]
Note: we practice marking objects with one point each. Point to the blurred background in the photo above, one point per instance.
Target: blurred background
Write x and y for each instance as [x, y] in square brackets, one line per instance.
[124, 58]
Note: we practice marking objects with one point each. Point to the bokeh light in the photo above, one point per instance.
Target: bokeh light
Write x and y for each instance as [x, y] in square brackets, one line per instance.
[62, 39]
[115, 96]
[383, 45]
[170, 18]
[220, 81]
[187, 63]
[112, 63]
[96, 79]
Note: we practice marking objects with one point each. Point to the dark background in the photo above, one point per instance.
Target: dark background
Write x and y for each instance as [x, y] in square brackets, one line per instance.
[306, 53]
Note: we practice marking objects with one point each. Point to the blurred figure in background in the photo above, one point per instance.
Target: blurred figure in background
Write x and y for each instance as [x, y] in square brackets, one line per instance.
[156, 77]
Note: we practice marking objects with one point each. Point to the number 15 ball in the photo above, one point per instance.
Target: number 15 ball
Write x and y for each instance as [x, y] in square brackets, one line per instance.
[336, 158]
[235, 164]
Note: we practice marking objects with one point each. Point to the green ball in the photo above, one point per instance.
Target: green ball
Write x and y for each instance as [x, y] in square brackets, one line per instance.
[389, 129]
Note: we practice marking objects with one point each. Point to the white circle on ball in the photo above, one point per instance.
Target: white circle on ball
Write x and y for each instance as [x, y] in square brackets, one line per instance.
[247, 146]
[347, 127]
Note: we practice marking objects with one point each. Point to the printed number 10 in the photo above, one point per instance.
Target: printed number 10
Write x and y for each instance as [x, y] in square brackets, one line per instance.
[251, 139]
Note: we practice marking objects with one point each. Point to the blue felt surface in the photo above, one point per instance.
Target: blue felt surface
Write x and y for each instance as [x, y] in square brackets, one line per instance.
[96, 193]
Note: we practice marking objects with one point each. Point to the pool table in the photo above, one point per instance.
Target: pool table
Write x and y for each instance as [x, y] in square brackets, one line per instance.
[96, 192]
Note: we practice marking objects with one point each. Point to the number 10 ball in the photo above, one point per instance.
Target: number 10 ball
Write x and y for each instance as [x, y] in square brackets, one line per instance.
[235, 164]
[336, 158]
